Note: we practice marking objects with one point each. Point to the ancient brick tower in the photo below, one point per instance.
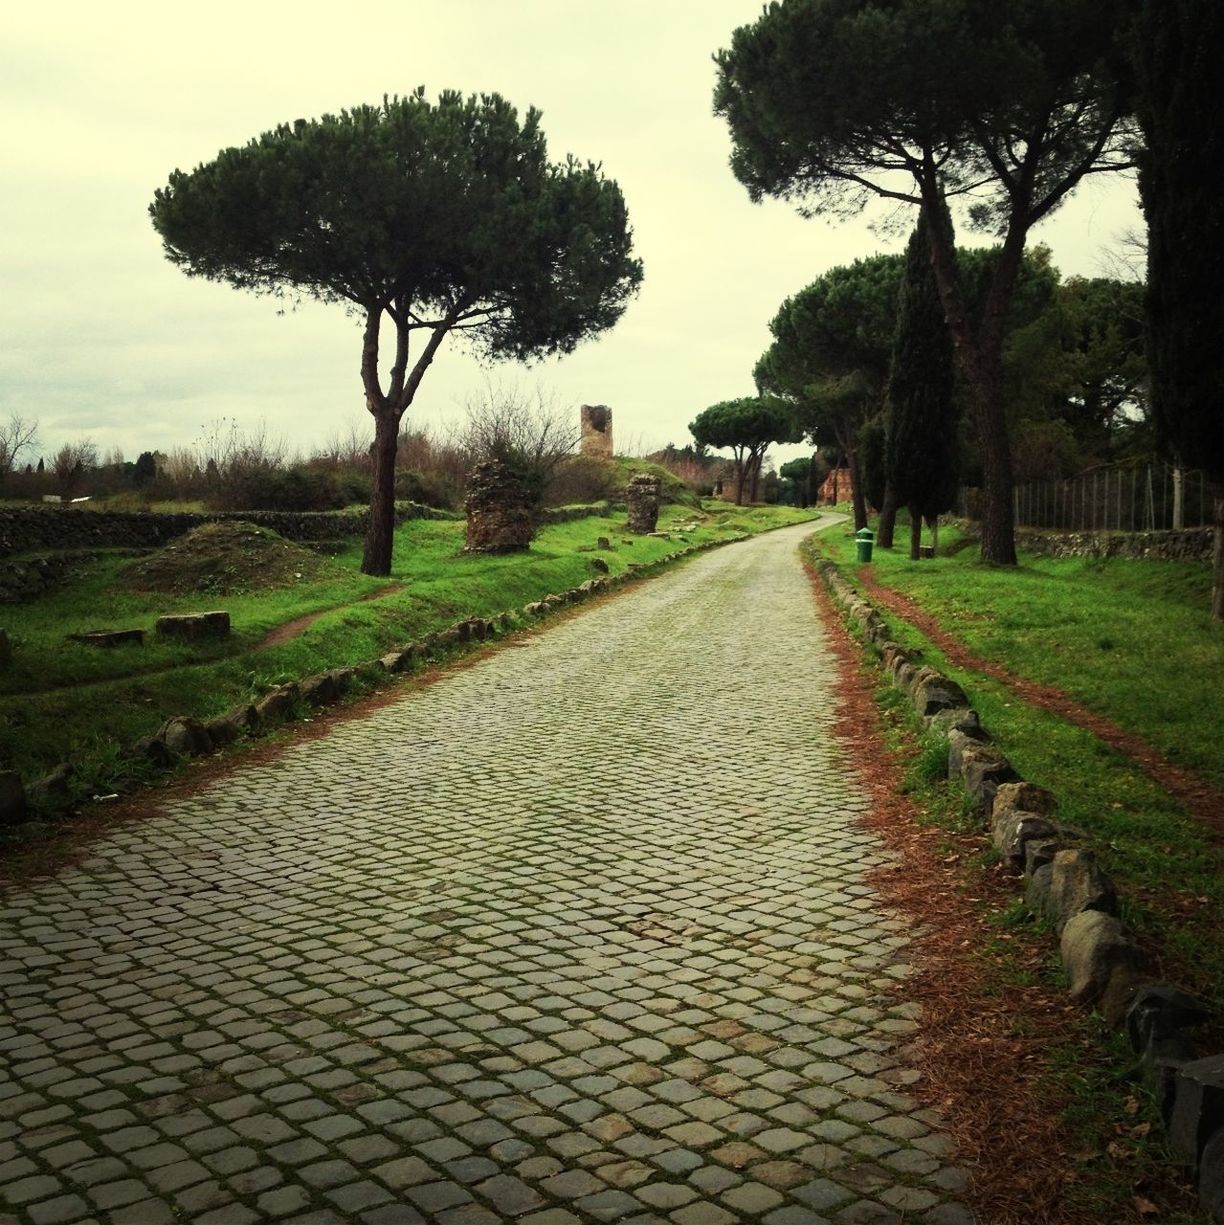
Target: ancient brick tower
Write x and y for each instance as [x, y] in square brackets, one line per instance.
[597, 430]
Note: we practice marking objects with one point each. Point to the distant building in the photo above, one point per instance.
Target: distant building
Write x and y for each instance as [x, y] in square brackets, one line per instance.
[838, 487]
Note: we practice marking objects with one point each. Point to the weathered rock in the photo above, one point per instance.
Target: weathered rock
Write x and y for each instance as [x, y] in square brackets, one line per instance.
[595, 424]
[1211, 1177]
[245, 717]
[1157, 1011]
[642, 497]
[1095, 946]
[1198, 1108]
[342, 678]
[222, 731]
[603, 543]
[983, 769]
[53, 791]
[12, 799]
[109, 638]
[152, 750]
[193, 626]
[185, 736]
[1040, 852]
[319, 690]
[962, 719]
[1015, 830]
[598, 563]
[903, 675]
[1077, 884]
[397, 660]
[1023, 797]
[276, 706]
[499, 518]
[933, 694]
[534, 609]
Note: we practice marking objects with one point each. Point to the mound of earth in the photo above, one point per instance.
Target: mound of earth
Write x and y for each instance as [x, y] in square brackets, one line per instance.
[224, 559]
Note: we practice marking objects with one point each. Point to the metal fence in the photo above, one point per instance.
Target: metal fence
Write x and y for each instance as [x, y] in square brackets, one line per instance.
[1138, 497]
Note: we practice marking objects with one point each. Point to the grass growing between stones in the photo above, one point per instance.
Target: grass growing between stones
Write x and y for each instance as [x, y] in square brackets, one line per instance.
[1100, 1135]
[1169, 867]
[64, 701]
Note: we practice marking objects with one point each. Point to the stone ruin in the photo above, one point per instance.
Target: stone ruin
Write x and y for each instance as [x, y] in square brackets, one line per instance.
[597, 431]
[499, 518]
[643, 495]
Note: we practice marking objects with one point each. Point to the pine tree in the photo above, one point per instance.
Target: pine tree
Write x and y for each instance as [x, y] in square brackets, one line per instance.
[920, 426]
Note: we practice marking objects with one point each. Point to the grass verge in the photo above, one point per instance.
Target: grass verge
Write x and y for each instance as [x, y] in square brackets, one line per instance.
[64, 701]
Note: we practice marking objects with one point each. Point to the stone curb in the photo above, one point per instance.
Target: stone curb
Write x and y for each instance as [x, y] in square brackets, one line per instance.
[1062, 882]
[183, 736]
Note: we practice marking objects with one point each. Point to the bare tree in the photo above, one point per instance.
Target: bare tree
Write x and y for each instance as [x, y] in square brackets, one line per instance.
[16, 435]
[72, 461]
[531, 435]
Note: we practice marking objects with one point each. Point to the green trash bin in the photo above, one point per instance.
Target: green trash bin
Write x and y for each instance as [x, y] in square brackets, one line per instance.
[864, 542]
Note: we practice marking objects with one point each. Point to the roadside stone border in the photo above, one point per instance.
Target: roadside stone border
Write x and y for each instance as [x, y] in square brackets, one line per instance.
[184, 736]
[1063, 883]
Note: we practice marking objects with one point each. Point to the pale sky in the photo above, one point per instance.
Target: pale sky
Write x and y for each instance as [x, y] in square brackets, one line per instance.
[102, 338]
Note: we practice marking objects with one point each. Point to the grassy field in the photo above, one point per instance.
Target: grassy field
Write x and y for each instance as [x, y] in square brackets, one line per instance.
[1131, 640]
[61, 700]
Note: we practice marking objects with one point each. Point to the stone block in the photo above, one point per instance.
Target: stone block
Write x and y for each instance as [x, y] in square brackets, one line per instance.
[499, 518]
[277, 706]
[962, 719]
[931, 694]
[983, 769]
[1095, 946]
[194, 626]
[153, 751]
[221, 731]
[1211, 1177]
[185, 736]
[1024, 797]
[244, 717]
[1039, 853]
[1198, 1108]
[319, 690]
[342, 678]
[1078, 884]
[1014, 830]
[598, 563]
[53, 791]
[1159, 1011]
[109, 638]
[12, 799]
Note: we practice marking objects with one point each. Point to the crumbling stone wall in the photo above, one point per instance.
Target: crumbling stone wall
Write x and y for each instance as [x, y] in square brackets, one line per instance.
[642, 497]
[499, 518]
[597, 431]
[24, 529]
[1187, 544]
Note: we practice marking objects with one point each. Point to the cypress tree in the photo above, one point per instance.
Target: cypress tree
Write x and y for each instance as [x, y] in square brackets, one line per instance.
[920, 424]
[1177, 48]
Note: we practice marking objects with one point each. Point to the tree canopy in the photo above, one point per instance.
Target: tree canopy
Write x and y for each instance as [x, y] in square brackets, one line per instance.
[830, 355]
[1177, 46]
[434, 217]
[1001, 110]
[746, 427]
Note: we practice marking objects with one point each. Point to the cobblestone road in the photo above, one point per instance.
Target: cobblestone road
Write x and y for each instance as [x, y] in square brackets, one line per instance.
[577, 934]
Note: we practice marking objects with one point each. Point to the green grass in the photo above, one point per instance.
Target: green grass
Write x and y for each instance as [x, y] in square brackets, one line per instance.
[1169, 873]
[1089, 1074]
[1132, 640]
[64, 701]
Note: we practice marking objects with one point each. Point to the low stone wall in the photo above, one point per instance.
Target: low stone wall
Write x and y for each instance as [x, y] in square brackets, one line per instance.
[24, 529]
[1190, 544]
[1105, 964]
[21, 581]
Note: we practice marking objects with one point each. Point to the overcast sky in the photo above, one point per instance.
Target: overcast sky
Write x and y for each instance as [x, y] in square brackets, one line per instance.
[102, 338]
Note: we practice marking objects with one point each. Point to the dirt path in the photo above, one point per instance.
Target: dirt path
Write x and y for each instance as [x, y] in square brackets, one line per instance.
[291, 629]
[1200, 798]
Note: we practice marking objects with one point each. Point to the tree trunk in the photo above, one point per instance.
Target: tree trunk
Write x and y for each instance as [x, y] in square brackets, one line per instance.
[858, 498]
[1217, 554]
[739, 482]
[380, 533]
[757, 460]
[998, 513]
[915, 533]
[888, 518]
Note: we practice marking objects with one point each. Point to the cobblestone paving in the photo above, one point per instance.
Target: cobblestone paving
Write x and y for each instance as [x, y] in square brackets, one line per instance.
[578, 934]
